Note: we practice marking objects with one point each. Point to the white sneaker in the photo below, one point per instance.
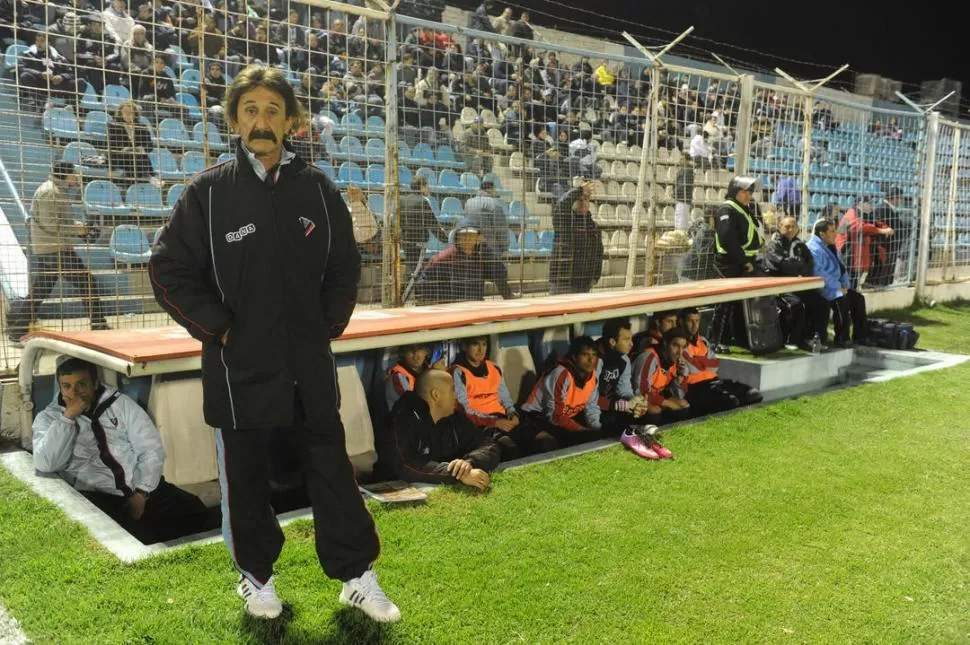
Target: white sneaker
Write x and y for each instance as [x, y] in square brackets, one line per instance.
[261, 603]
[365, 593]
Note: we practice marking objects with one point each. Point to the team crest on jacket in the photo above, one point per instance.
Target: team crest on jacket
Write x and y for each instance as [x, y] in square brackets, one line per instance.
[308, 226]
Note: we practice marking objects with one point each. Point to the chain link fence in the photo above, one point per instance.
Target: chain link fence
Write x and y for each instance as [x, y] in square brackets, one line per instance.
[475, 165]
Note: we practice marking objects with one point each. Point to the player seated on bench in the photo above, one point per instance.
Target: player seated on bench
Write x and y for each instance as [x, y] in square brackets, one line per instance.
[485, 399]
[414, 360]
[660, 376]
[621, 410]
[106, 446]
[706, 392]
[428, 441]
[564, 404]
[659, 323]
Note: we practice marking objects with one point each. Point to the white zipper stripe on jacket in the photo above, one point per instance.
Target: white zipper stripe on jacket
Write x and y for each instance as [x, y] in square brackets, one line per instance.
[215, 272]
[333, 361]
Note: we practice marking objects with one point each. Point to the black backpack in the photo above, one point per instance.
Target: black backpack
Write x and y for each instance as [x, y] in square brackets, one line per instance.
[891, 334]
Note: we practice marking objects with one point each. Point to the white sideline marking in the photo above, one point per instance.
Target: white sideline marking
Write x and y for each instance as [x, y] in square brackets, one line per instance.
[10, 632]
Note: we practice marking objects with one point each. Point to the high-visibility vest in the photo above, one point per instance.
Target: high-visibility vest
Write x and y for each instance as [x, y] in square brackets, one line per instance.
[753, 233]
[483, 392]
[397, 368]
[662, 378]
[698, 349]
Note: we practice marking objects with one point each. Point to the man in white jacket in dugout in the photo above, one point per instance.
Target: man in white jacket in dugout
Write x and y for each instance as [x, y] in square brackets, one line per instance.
[106, 446]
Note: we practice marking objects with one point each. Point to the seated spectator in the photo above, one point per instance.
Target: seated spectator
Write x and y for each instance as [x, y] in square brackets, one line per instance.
[707, 393]
[427, 441]
[44, 74]
[564, 404]
[485, 399]
[459, 272]
[684, 194]
[156, 90]
[106, 446]
[118, 23]
[214, 86]
[137, 55]
[98, 61]
[700, 150]
[128, 143]
[413, 362]
[803, 314]
[660, 376]
[846, 303]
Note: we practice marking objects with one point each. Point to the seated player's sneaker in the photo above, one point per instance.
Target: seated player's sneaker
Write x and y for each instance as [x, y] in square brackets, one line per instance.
[260, 602]
[647, 435]
[633, 441]
[654, 445]
[366, 594]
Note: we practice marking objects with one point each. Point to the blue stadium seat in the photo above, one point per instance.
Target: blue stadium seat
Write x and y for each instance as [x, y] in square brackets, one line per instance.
[115, 95]
[530, 242]
[434, 246]
[61, 123]
[173, 194]
[375, 177]
[164, 164]
[326, 167]
[103, 197]
[200, 133]
[446, 157]
[172, 132]
[404, 176]
[422, 153]
[375, 203]
[403, 150]
[11, 55]
[546, 239]
[513, 244]
[191, 105]
[350, 123]
[451, 210]
[434, 204]
[375, 150]
[181, 60]
[352, 149]
[448, 181]
[129, 245]
[430, 175]
[95, 126]
[191, 79]
[375, 126]
[470, 182]
[75, 151]
[330, 115]
[349, 174]
[193, 162]
[502, 191]
[90, 99]
[146, 199]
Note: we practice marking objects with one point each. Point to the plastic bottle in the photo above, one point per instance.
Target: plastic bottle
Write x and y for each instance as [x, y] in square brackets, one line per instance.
[816, 344]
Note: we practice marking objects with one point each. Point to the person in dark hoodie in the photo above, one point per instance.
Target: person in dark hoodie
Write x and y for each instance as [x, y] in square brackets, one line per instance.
[427, 441]
[484, 397]
[459, 272]
[805, 314]
[564, 404]
[577, 248]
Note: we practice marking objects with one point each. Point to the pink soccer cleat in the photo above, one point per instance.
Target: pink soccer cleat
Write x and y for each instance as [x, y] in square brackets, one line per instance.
[632, 441]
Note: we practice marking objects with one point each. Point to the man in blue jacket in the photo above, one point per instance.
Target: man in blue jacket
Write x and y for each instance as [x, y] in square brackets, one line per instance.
[846, 303]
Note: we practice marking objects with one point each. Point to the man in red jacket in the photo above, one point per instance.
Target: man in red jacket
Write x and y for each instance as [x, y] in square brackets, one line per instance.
[854, 239]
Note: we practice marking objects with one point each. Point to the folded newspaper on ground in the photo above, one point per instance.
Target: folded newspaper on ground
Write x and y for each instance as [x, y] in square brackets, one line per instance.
[394, 492]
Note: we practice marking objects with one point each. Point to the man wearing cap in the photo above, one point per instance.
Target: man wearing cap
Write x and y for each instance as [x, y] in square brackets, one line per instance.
[738, 238]
[459, 272]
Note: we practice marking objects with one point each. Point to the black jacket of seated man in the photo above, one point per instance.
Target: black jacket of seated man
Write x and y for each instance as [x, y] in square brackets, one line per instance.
[786, 257]
[416, 449]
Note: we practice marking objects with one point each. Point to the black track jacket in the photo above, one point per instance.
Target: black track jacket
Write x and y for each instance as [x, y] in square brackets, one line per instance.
[275, 264]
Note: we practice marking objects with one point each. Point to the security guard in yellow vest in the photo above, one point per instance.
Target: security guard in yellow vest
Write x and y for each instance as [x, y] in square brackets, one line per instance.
[738, 236]
[738, 239]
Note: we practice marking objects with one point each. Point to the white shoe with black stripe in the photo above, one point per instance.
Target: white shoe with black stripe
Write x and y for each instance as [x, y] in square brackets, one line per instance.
[261, 602]
[366, 594]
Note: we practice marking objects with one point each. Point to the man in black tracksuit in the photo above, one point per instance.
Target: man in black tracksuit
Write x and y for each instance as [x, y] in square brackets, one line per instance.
[738, 240]
[258, 262]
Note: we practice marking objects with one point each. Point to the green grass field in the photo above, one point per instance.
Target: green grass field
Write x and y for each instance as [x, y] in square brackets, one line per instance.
[838, 518]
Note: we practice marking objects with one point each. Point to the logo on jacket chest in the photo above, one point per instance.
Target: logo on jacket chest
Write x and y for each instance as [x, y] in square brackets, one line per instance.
[237, 236]
[611, 375]
[307, 225]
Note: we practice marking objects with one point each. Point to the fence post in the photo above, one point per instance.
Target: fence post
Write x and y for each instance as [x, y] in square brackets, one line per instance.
[807, 109]
[742, 137]
[926, 205]
[951, 204]
[648, 164]
[390, 262]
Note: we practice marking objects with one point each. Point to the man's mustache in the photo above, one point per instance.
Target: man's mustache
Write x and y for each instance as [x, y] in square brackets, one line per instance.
[262, 134]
